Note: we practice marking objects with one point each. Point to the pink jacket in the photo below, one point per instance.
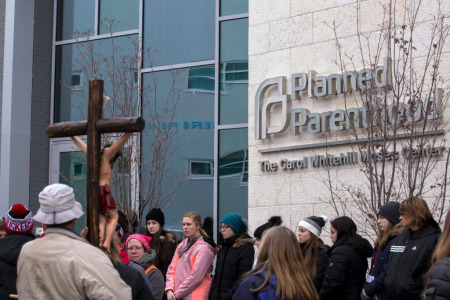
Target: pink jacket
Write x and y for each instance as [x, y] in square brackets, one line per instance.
[188, 276]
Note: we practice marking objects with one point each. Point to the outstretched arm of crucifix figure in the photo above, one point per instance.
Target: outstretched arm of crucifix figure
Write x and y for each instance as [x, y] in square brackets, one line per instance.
[110, 152]
[80, 144]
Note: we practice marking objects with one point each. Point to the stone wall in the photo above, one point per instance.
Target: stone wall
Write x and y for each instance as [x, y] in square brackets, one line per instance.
[41, 99]
[288, 37]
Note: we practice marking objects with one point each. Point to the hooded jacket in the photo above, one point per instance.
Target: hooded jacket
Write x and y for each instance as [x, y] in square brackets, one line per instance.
[409, 261]
[233, 260]
[439, 284]
[10, 247]
[188, 276]
[378, 265]
[346, 271]
[63, 265]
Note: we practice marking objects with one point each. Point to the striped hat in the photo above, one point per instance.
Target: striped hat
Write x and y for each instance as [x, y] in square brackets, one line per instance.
[18, 220]
[314, 224]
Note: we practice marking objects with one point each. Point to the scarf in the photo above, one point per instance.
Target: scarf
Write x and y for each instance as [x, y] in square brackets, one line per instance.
[189, 244]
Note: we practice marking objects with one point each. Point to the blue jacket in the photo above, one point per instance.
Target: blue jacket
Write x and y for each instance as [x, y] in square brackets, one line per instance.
[378, 271]
[254, 281]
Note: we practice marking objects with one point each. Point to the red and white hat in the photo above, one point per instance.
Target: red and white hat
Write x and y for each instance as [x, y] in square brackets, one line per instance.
[18, 219]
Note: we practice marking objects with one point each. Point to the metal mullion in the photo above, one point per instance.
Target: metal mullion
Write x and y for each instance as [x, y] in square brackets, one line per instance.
[178, 66]
[232, 126]
[98, 37]
[96, 18]
[216, 121]
[233, 17]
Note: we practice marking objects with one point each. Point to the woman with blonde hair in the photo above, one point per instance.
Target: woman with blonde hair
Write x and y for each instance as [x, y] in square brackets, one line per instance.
[280, 272]
[188, 274]
[439, 275]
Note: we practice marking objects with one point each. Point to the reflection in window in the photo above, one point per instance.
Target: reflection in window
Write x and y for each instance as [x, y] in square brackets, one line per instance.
[74, 18]
[75, 81]
[200, 168]
[233, 7]
[233, 73]
[118, 15]
[178, 31]
[233, 102]
[235, 163]
[201, 79]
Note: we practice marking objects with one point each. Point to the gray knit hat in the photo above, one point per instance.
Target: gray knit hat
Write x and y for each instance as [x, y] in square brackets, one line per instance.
[314, 224]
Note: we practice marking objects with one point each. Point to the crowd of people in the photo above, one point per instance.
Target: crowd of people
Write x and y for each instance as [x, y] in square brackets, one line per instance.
[410, 258]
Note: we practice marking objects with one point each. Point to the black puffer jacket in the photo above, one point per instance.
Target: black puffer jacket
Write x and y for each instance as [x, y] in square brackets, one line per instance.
[378, 266]
[10, 248]
[409, 261]
[346, 271]
[321, 266]
[233, 260]
[439, 285]
[322, 263]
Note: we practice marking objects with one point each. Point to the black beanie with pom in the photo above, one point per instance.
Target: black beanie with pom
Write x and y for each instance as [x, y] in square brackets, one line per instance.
[273, 221]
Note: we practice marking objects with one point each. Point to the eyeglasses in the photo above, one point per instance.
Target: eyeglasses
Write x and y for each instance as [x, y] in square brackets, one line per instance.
[131, 249]
[224, 227]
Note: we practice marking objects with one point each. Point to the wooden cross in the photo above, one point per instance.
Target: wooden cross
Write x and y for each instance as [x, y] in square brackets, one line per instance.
[94, 127]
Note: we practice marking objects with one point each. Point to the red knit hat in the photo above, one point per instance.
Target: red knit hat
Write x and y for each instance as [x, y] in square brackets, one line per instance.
[18, 220]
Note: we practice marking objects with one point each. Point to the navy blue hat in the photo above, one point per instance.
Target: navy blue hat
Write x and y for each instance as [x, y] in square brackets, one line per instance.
[236, 222]
[391, 211]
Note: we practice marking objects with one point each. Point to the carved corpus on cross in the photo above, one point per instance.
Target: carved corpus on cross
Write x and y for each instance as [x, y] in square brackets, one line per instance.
[94, 127]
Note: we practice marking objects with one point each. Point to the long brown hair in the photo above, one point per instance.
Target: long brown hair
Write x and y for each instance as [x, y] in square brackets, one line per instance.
[310, 251]
[280, 255]
[390, 231]
[161, 244]
[195, 216]
[114, 250]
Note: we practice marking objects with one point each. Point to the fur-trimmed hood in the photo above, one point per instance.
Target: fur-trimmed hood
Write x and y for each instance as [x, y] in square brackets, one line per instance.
[396, 230]
[245, 240]
[237, 241]
[169, 236]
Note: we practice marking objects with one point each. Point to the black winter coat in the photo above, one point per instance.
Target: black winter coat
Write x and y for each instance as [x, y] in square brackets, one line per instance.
[439, 284]
[136, 280]
[409, 261]
[321, 266]
[346, 271]
[378, 266]
[233, 260]
[10, 248]
[322, 263]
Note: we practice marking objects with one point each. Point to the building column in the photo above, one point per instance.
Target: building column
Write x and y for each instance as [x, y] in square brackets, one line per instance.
[16, 103]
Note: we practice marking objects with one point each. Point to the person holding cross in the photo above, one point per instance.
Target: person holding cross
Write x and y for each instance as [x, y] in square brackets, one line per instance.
[110, 153]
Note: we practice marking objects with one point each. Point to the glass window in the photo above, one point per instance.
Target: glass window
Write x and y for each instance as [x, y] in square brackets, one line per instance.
[233, 172]
[73, 69]
[72, 171]
[190, 147]
[74, 18]
[233, 7]
[118, 15]
[178, 31]
[201, 79]
[201, 168]
[233, 99]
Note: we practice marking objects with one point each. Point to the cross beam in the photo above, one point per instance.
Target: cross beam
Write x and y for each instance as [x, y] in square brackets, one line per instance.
[93, 128]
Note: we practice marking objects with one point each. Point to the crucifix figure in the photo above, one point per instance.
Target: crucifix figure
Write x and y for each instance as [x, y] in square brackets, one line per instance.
[99, 167]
